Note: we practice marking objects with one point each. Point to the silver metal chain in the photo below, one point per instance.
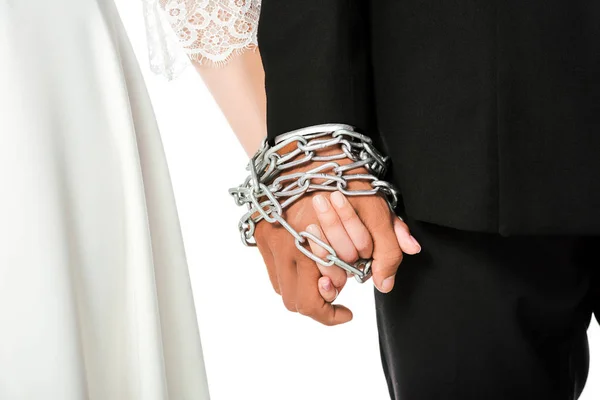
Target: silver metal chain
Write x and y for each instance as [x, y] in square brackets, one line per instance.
[267, 191]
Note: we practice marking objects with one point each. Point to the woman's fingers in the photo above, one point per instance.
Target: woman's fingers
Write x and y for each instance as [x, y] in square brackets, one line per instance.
[408, 243]
[387, 254]
[334, 230]
[354, 227]
[336, 274]
[327, 290]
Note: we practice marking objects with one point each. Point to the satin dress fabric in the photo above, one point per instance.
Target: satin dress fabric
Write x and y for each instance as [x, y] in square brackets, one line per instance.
[95, 295]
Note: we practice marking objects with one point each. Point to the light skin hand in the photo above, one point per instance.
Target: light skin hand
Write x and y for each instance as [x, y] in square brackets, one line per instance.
[238, 89]
[344, 230]
[355, 227]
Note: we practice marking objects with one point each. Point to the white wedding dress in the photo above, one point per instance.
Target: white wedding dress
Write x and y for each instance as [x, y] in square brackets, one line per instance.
[95, 296]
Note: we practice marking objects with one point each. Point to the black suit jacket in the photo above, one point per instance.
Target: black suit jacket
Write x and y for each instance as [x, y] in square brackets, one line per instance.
[489, 109]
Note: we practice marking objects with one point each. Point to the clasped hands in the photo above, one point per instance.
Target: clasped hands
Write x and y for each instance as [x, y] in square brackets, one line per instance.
[355, 226]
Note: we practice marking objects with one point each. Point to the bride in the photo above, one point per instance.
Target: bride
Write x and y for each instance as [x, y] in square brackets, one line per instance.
[95, 297]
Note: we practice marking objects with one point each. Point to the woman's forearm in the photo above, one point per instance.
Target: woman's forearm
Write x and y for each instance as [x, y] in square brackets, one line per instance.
[239, 90]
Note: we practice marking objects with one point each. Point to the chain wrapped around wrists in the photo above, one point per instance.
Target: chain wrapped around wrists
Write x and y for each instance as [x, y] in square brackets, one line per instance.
[267, 191]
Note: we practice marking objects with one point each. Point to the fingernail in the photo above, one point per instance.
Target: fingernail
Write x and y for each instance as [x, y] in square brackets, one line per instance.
[326, 286]
[416, 243]
[313, 230]
[338, 199]
[388, 284]
[321, 203]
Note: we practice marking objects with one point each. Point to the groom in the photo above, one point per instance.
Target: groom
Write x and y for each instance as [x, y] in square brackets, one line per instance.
[490, 112]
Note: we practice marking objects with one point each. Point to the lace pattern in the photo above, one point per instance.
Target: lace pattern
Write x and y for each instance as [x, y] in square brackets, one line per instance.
[165, 55]
[211, 31]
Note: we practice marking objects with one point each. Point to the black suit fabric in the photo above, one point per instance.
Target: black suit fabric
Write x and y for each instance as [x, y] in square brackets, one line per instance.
[490, 110]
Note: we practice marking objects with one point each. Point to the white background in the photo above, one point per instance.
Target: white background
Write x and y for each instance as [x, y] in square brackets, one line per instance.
[254, 348]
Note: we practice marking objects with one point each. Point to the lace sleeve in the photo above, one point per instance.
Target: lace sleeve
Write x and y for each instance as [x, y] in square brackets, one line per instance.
[208, 32]
[211, 31]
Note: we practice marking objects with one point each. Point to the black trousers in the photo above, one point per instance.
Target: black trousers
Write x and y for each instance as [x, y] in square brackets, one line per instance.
[481, 316]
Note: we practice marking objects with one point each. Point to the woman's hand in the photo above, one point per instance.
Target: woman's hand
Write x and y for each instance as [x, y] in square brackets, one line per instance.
[355, 227]
[341, 228]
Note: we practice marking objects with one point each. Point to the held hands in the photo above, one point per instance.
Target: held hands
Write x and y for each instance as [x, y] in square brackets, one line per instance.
[356, 227]
[342, 228]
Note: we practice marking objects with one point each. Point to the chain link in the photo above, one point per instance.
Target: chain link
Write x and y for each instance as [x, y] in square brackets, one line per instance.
[266, 192]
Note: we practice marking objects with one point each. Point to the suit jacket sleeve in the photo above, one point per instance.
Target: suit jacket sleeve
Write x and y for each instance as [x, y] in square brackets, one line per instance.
[316, 61]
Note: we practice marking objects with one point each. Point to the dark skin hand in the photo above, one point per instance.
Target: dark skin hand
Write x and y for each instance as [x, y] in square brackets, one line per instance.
[355, 226]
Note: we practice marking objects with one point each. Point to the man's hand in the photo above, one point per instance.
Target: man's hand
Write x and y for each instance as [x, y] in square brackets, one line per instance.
[356, 227]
